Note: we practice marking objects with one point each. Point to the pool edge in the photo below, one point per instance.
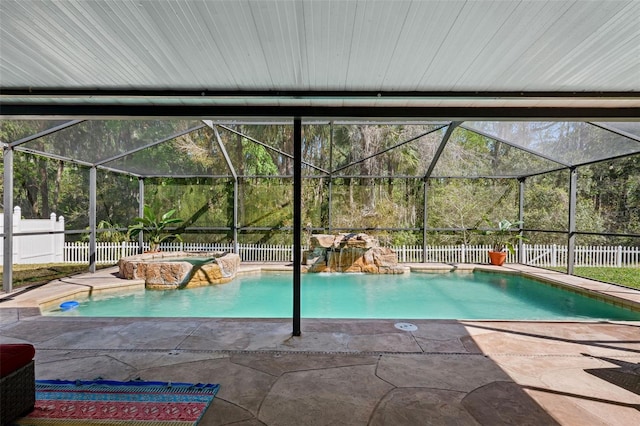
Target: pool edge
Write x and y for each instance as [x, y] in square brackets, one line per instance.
[84, 285]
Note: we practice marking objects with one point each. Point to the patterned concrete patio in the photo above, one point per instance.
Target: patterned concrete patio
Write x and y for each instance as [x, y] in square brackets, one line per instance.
[355, 372]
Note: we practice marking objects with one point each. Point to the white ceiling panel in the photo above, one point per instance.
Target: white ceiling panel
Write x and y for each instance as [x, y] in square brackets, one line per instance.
[505, 42]
[567, 55]
[328, 33]
[468, 35]
[373, 44]
[280, 37]
[321, 45]
[420, 46]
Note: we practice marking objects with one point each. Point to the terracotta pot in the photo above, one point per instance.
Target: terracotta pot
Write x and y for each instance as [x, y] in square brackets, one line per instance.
[497, 257]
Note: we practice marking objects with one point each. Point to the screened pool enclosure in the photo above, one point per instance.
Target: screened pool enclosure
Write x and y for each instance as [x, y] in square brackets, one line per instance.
[414, 183]
[421, 122]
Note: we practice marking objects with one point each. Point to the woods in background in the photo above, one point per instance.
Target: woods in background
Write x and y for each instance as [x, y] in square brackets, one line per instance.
[375, 174]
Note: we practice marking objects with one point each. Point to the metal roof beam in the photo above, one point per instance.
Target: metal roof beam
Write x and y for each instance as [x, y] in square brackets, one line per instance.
[45, 133]
[158, 142]
[616, 131]
[320, 94]
[559, 169]
[173, 176]
[54, 156]
[120, 172]
[336, 177]
[222, 148]
[477, 177]
[11, 110]
[454, 125]
[271, 148]
[615, 157]
[506, 142]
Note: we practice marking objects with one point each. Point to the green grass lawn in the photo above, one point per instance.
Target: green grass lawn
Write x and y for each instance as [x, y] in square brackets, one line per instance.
[625, 276]
[28, 275]
[629, 277]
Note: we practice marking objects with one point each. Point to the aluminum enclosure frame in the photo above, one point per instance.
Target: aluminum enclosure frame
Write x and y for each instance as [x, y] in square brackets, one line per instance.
[64, 110]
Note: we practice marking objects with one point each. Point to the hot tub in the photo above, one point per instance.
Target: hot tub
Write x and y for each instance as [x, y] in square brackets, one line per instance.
[174, 270]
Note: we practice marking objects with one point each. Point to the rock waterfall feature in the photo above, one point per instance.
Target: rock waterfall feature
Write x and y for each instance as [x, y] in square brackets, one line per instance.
[349, 253]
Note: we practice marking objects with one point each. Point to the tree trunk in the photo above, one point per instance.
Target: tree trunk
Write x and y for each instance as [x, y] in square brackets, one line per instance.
[350, 183]
[56, 195]
[43, 187]
[33, 209]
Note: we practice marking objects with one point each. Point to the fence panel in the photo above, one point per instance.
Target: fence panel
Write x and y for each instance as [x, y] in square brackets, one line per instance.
[536, 255]
[46, 247]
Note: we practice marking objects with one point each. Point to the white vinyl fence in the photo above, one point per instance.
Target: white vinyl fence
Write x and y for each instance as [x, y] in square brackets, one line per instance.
[43, 247]
[536, 255]
[556, 255]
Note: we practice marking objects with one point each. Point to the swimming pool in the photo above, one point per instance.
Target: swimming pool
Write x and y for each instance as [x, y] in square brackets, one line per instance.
[477, 295]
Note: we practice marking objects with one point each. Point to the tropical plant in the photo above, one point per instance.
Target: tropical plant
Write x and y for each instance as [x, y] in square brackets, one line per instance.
[154, 227]
[504, 238]
[109, 232]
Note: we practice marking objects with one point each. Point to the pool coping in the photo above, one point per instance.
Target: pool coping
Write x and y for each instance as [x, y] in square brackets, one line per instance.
[617, 295]
[107, 280]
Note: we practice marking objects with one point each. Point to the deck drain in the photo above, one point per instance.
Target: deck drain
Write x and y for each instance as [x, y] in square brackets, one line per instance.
[406, 326]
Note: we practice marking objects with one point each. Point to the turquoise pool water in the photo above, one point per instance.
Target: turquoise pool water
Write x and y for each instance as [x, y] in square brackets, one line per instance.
[410, 296]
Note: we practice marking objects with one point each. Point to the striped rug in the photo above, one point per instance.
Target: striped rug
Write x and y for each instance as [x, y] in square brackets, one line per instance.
[106, 402]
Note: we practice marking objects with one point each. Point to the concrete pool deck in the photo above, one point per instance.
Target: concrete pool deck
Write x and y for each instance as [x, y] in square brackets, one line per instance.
[351, 372]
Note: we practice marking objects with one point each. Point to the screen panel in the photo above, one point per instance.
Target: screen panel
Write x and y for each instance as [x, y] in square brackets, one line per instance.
[570, 143]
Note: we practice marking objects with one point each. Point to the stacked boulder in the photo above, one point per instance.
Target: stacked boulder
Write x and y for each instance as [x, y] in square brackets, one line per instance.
[349, 253]
[174, 270]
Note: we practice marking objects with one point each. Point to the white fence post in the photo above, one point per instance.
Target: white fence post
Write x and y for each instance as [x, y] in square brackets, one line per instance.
[59, 239]
[619, 257]
[52, 241]
[17, 217]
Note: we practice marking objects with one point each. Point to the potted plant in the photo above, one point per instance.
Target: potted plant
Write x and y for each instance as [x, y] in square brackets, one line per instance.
[503, 240]
[154, 228]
